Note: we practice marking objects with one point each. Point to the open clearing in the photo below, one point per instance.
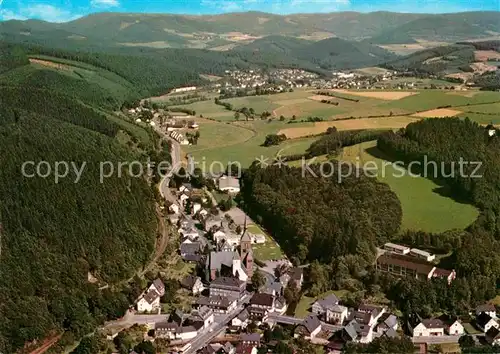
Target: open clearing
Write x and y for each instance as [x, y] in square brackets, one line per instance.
[425, 204]
[484, 55]
[463, 93]
[350, 124]
[437, 113]
[380, 95]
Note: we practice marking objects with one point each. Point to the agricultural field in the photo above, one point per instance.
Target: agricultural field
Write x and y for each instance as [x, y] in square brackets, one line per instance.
[396, 122]
[425, 204]
[208, 109]
[244, 144]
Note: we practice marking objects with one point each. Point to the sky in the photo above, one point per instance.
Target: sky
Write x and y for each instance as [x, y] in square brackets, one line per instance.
[67, 10]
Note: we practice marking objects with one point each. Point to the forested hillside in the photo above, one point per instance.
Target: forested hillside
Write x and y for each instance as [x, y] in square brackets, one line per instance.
[53, 235]
[316, 218]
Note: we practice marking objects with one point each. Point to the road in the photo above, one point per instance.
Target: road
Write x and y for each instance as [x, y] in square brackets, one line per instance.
[436, 339]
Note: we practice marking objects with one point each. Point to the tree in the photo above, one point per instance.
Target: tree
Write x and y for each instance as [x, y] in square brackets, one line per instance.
[258, 280]
[466, 342]
[291, 293]
[236, 115]
[145, 347]
[282, 118]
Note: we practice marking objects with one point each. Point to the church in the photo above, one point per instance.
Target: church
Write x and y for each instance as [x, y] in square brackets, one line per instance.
[237, 263]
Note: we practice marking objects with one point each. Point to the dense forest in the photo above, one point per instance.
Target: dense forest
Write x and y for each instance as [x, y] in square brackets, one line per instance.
[54, 234]
[318, 217]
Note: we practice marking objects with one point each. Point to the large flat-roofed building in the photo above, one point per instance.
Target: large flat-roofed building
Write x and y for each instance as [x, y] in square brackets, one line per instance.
[408, 266]
[415, 252]
[392, 247]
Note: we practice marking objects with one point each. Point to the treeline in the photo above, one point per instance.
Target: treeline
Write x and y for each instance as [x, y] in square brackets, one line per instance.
[11, 57]
[274, 139]
[55, 234]
[314, 217]
[332, 142]
[331, 94]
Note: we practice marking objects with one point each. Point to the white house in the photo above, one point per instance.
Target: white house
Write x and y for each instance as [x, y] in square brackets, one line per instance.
[336, 314]
[205, 315]
[229, 184]
[258, 238]
[320, 306]
[150, 302]
[193, 284]
[485, 322]
[196, 208]
[489, 309]
[183, 197]
[309, 328]
[392, 247]
[242, 320]
[455, 328]
[428, 328]
[174, 208]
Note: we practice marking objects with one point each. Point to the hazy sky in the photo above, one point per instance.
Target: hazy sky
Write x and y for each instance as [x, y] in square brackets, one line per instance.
[65, 10]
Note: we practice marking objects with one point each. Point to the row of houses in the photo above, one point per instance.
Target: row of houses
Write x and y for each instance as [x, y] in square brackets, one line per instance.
[247, 343]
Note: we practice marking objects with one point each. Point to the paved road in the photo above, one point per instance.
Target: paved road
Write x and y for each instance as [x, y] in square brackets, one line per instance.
[436, 339]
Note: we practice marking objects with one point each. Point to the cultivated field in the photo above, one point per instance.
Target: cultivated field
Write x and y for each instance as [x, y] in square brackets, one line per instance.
[483, 55]
[438, 113]
[425, 204]
[380, 95]
[350, 124]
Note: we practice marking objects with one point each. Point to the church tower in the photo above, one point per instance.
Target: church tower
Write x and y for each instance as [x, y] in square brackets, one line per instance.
[246, 253]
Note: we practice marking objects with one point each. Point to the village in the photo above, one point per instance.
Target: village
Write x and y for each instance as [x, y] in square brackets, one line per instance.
[237, 299]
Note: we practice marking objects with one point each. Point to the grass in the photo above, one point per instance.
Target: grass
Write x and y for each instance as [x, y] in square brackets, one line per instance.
[209, 110]
[496, 300]
[482, 118]
[425, 206]
[431, 99]
[267, 251]
[305, 303]
[245, 151]
[470, 328]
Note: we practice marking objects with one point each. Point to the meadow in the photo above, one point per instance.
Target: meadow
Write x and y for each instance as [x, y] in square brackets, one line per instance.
[425, 204]
[244, 143]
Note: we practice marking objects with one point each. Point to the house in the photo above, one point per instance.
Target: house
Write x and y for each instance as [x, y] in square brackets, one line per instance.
[172, 330]
[408, 266]
[429, 328]
[275, 289]
[387, 322]
[454, 327]
[357, 332]
[309, 328]
[226, 286]
[485, 322]
[321, 306]
[219, 304]
[229, 184]
[250, 338]
[190, 248]
[336, 314]
[242, 320]
[196, 208]
[263, 301]
[280, 305]
[205, 315]
[375, 312]
[183, 198]
[258, 238]
[493, 336]
[149, 302]
[392, 247]
[227, 348]
[193, 284]
[415, 252]
[209, 349]
[158, 286]
[297, 274]
[246, 349]
[174, 208]
[489, 309]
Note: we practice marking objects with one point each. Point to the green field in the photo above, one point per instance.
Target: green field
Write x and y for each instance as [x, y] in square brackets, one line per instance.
[209, 110]
[243, 143]
[267, 251]
[423, 207]
[431, 99]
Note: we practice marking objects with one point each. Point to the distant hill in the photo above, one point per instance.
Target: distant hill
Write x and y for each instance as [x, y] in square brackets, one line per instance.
[443, 60]
[181, 31]
[331, 53]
